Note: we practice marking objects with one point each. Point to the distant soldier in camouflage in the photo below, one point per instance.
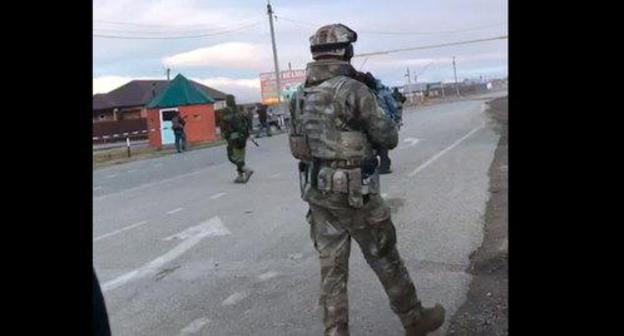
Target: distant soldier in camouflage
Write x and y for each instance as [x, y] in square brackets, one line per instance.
[235, 129]
[337, 128]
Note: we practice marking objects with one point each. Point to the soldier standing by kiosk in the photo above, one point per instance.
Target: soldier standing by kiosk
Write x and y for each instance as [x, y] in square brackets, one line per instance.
[337, 129]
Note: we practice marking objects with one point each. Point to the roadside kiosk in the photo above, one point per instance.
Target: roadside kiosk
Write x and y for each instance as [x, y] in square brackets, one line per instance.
[183, 98]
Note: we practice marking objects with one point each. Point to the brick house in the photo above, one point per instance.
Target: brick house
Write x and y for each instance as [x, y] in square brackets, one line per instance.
[124, 109]
[187, 100]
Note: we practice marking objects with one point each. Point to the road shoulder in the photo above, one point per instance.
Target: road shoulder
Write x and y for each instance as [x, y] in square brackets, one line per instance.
[485, 311]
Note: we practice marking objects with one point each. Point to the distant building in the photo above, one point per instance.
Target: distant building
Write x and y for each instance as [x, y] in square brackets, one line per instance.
[184, 98]
[417, 92]
[124, 110]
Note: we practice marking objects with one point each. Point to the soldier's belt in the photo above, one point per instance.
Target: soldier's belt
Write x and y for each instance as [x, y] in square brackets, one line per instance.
[346, 181]
[342, 164]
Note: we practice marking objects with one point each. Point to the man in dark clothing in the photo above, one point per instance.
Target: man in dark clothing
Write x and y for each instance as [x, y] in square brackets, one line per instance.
[178, 123]
[262, 118]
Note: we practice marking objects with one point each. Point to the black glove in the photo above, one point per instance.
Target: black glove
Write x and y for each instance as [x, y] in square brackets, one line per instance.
[302, 166]
[369, 166]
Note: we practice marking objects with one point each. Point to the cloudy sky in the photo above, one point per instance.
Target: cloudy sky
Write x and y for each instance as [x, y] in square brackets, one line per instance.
[226, 44]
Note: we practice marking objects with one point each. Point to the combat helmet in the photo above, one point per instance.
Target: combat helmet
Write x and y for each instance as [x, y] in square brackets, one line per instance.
[334, 40]
[230, 101]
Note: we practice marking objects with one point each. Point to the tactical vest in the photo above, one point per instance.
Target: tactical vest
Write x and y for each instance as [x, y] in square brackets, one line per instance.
[296, 139]
[236, 125]
[321, 134]
[327, 134]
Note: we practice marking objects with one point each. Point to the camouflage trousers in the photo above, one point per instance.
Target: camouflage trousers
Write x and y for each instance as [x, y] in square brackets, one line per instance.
[332, 225]
[236, 155]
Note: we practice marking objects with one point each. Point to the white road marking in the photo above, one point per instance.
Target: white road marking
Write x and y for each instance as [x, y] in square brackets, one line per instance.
[411, 141]
[234, 298]
[174, 211]
[212, 227]
[132, 170]
[267, 275]
[384, 195]
[151, 184]
[194, 326]
[111, 176]
[275, 175]
[97, 188]
[444, 151]
[158, 165]
[214, 197]
[119, 231]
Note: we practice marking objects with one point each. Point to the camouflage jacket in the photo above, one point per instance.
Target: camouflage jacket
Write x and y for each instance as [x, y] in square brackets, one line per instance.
[234, 126]
[355, 106]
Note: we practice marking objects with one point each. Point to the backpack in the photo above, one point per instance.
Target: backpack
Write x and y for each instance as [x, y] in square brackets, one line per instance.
[387, 102]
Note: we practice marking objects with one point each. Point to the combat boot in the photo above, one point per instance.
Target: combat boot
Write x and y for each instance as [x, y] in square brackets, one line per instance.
[427, 320]
[341, 329]
[248, 172]
[240, 178]
[243, 176]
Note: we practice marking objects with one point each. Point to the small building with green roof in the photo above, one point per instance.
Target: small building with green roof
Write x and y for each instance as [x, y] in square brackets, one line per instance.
[183, 98]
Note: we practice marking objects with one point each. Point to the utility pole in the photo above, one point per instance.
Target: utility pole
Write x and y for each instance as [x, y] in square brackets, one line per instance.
[277, 72]
[455, 74]
[168, 71]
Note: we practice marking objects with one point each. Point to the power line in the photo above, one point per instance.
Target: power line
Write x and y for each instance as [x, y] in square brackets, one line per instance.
[166, 28]
[434, 32]
[403, 33]
[431, 46]
[296, 21]
[139, 24]
[175, 37]
[156, 25]
[423, 70]
[165, 32]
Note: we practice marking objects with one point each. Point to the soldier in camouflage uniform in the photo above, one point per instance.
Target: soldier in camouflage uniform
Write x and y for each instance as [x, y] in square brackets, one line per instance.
[337, 127]
[235, 128]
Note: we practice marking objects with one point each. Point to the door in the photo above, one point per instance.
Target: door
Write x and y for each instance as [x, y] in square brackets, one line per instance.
[166, 132]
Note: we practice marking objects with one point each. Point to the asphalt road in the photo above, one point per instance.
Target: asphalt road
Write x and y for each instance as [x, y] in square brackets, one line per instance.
[181, 250]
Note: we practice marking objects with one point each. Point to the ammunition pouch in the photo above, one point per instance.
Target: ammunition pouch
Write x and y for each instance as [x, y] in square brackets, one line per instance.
[299, 147]
[349, 181]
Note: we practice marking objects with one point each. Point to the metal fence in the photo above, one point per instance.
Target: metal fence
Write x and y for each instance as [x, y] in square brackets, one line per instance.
[111, 131]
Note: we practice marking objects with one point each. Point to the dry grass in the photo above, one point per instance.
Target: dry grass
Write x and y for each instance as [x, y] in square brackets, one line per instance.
[115, 156]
